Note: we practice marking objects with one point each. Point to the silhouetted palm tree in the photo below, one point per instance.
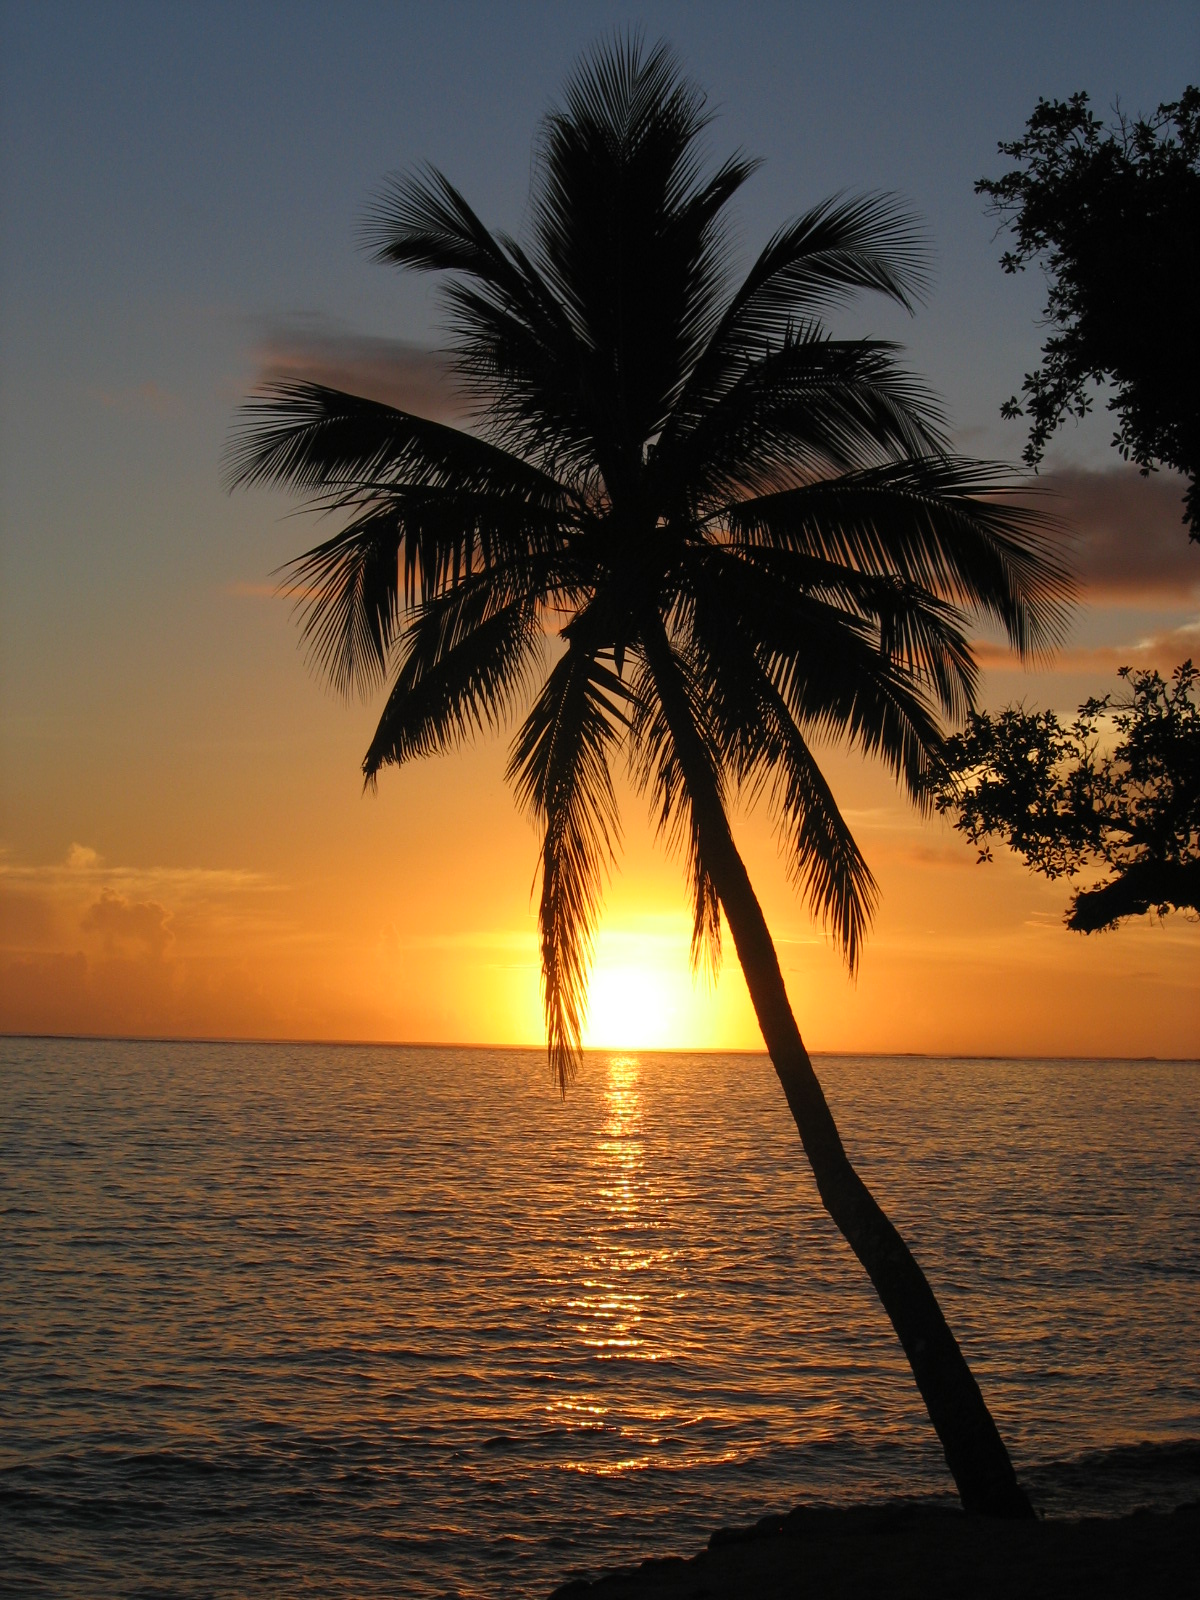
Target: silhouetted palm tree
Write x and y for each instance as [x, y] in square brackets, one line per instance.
[743, 533]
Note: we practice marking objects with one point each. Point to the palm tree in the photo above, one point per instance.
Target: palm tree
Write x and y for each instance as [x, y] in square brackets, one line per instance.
[689, 527]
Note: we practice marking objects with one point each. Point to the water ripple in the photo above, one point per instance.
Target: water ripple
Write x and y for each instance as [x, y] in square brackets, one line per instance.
[398, 1322]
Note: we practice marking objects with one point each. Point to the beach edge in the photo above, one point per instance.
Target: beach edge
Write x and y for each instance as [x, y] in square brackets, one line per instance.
[913, 1548]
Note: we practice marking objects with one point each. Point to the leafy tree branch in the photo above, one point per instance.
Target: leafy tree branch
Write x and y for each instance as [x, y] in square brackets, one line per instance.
[1112, 213]
[1065, 800]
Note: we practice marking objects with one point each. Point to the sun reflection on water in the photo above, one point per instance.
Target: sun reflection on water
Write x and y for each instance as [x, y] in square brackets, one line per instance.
[610, 1308]
[620, 1310]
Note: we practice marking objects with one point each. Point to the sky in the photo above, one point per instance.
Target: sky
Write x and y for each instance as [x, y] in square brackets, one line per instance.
[185, 847]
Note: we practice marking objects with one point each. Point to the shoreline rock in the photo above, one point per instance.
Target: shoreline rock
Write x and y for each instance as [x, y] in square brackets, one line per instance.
[912, 1551]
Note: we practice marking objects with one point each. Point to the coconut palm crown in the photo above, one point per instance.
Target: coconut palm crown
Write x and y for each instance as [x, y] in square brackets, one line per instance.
[688, 528]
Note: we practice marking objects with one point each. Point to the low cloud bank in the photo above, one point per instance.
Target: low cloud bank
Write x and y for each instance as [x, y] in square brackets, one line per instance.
[1161, 651]
[91, 947]
[314, 349]
[1129, 545]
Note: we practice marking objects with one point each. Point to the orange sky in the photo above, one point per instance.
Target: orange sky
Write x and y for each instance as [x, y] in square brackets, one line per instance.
[312, 910]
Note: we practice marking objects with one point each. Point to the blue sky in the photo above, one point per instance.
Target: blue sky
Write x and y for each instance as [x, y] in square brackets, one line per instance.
[162, 163]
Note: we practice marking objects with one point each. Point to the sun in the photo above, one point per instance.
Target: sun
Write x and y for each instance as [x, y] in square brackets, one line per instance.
[644, 995]
[631, 1007]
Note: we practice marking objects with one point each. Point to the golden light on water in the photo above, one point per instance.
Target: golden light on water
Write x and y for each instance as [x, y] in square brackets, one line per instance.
[610, 1307]
[620, 1146]
[618, 1311]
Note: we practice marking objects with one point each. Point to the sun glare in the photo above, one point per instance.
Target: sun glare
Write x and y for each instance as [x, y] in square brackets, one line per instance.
[631, 1008]
[644, 996]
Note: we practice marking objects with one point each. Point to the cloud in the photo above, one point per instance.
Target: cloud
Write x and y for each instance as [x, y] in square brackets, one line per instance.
[120, 923]
[145, 916]
[1161, 651]
[1130, 547]
[87, 946]
[241, 589]
[929, 855]
[83, 864]
[315, 349]
[256, 591]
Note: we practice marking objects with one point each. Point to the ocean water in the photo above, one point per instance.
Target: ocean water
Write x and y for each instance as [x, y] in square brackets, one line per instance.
[381, 1321]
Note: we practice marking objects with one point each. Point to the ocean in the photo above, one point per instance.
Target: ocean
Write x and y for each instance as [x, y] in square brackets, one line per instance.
[375, 1321]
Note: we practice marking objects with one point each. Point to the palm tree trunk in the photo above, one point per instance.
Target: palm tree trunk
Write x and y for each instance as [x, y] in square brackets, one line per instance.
[975, 1452]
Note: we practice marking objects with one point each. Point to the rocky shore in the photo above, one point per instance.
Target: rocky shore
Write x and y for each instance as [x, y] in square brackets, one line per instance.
[905, 1550]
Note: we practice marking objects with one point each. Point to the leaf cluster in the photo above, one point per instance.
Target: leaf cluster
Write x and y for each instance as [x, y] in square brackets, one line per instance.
[689, 529]
[1113, 215]
[1117, 788]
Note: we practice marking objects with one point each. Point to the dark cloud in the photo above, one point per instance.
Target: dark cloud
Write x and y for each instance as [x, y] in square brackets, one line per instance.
[389, 370]
[1129, 543]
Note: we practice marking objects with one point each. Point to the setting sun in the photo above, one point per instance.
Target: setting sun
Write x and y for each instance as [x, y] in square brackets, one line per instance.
[643, 995]
[631, 1008]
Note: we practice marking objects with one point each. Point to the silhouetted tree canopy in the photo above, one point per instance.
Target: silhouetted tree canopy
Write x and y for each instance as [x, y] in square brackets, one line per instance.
[1064, 802]
[667, 468]
[1113, 214]
[693, 533]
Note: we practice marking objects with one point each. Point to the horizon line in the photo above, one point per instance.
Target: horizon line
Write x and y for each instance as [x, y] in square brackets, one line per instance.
[591, 1050]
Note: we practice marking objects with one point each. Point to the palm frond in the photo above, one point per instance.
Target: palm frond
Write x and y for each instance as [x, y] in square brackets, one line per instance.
[921, 635]
[465, 658]
[419, 219]
[348, 592]
[628, 236]
[822, 855]
[837, 687]
[405, 548]
[826, 663]
[515, 347]
[657, 770]
[426, 504]
[318, 440]
[843, 245]
[560, 768]
[946, 524]
[925, 638]
[761, 743]
[533, 393]
[811, 407]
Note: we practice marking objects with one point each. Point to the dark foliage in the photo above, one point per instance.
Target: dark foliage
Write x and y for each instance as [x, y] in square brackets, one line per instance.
[691, 531]
[1064, 802]
[1113, 215]
[655, 452]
